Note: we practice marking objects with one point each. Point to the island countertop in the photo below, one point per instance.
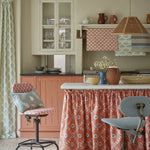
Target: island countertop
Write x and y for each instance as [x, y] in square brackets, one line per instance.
[87, 86]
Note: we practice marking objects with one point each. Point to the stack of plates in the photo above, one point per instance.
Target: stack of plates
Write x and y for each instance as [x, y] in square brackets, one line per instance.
[54, 70]
[40, 72]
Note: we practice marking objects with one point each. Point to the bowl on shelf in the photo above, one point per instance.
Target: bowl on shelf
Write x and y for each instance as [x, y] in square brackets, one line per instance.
[93, 80]
[39, 68]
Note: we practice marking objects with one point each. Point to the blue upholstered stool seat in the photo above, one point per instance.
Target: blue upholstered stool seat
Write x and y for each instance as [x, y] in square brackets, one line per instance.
[124, 123]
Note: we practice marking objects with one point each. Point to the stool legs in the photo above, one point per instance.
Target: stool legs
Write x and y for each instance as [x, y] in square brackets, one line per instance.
[37, 121]
[124, 134]
[36, 142]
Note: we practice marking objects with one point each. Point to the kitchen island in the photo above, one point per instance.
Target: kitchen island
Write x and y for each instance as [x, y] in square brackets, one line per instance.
[83, 108]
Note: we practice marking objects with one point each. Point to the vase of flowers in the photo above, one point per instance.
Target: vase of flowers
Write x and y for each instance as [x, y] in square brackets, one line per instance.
[102, 67]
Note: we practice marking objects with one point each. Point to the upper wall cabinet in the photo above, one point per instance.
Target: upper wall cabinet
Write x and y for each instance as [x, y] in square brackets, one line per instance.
[55, 27]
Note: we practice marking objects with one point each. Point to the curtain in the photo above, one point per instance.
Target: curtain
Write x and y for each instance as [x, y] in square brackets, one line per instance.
[7, 70]
[81, 125]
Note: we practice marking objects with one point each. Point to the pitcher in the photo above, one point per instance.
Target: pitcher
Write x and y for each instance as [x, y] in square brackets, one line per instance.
[148, 19]
[113, 19]
[102, 18]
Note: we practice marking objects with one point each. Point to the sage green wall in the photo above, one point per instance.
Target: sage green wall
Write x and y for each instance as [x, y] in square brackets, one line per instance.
[28, 61]
[89, 8]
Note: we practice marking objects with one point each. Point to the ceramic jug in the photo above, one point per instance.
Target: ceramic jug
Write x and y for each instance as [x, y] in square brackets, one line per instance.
[148, 19]
[113, 19]
[102, 18]
[85, 21]
[113, 75]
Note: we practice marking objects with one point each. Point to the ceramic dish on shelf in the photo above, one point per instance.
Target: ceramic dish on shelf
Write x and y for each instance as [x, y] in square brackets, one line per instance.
[39, 72]
[53, 72]
[39, 68]
[135, 79]
[53, 69]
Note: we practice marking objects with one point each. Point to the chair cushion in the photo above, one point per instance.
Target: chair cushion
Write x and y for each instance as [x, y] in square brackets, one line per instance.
[27, 101]
[40, 111]
[22, 87]
[124, 123]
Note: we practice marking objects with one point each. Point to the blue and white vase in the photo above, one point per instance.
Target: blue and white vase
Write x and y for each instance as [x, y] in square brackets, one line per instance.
[103, 78]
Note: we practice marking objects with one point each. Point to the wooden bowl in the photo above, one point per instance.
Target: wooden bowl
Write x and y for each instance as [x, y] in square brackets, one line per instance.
[93, 80]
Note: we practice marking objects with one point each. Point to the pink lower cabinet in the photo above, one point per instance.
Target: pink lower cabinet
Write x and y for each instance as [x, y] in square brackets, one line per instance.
[48, 88]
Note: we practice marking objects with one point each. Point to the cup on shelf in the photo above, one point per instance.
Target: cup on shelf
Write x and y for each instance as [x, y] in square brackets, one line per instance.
[51, 21]
[48, 21]
[65, 21]
[63, 36]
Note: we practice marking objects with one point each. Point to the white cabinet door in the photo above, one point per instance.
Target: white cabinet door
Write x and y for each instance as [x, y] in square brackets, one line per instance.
[56, 27]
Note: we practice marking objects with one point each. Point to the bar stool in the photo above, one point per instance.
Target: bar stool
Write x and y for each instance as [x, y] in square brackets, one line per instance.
[135, 108]
[35, 113]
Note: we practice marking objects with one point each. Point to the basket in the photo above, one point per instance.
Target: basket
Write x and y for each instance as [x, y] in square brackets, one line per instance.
[135, 79]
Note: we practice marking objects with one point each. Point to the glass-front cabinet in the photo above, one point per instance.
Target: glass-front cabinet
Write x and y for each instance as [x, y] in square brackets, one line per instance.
[56, 26]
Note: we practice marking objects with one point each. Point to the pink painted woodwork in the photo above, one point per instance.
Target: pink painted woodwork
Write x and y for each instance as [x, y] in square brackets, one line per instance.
[48, 87]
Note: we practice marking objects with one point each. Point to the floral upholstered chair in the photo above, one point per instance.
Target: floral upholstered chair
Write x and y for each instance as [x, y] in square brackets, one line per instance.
[30, 105]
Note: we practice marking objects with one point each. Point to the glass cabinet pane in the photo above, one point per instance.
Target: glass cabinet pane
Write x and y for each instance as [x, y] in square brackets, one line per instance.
[48, 45]
[64, 17]
[48, 34]
[48, 21]
[56, 31]
[48, 38]
[48, 14]
[64, 38]
[64, 34]
[64, 13]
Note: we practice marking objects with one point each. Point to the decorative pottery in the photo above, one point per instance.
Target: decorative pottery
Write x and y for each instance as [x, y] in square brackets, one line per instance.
[113, 75]
[102, 18]
[85, 21]
[103, 78]
[113, 19]
[148, 19]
